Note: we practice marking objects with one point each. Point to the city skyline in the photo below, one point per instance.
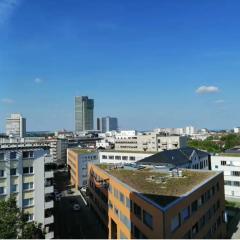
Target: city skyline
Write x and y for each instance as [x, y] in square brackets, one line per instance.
[150, 64]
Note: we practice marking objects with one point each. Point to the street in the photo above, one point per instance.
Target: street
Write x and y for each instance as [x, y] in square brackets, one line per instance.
[74, 224]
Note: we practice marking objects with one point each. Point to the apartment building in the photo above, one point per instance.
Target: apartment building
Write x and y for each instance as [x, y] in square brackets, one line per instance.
[229, 163]
[186, 157]
[147, 203]
[77, 161]
[26, 173]
[151, 142]
[121, 157]
[16, 125]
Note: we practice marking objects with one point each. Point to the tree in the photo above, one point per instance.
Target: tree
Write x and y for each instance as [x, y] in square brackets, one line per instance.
[13, 222]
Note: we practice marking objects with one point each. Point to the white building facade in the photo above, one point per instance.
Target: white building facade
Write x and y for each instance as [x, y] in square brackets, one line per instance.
[26, 173]
[121, 157]
[230, 165]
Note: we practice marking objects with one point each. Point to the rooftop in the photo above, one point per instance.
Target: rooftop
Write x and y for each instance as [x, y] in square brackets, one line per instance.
[176, 157]
[83, 151]
[125, 151]
[158, 186]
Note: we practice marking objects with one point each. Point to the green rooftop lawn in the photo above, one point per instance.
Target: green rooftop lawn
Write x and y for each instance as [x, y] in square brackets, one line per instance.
[161, 192]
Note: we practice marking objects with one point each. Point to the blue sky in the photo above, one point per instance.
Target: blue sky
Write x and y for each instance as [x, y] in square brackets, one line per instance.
[151, 63]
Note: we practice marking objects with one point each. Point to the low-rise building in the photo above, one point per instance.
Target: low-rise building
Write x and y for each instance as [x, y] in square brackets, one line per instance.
[77, 161]
[151, 142]
[121, 157]
[147, 203]
[186, 157]
[26, 172]
[229, 163]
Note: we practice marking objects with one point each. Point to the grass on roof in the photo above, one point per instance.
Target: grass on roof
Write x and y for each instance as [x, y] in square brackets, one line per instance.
[161, 192]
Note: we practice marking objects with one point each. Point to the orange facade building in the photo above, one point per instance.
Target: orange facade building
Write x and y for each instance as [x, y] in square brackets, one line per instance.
[147, 203]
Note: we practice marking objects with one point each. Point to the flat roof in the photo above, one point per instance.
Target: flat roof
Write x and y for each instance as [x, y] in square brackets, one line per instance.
[124, 151]
[228, 154]
[157, 185]
[82, 151]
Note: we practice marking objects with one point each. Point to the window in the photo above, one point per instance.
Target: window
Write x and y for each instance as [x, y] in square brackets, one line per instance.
[202, 221]
[13, 188]
[235, 173]
[124, 158]
[194, 206]
[137, 211]
[216, 166]
[2, 173]
[125, 220]
[132, 158]
[30, 217]
[147, 219]
[13, 171]
[27, 154]
[1, 156]
[175, 223]
[104, 157]
[226, 182]
[115, 193]
[116, 211]
[195, 229]
[28, 186]
[111, 157]
[128, 203]
[110, 188]
[110, 204]
[223, 163]
[236, 184]
[27, 170]
[121, 198]
[118, 157]
[27, 202]
[2, 190]
[13, 155]
[186, 213]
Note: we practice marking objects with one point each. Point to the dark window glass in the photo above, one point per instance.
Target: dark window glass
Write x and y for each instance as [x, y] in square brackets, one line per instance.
[137, 211]
[194, 206]
[13, 155]
[147, 219]
[13, 171]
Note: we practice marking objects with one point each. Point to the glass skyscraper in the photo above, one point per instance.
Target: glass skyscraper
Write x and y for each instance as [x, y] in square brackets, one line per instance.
[84, 113]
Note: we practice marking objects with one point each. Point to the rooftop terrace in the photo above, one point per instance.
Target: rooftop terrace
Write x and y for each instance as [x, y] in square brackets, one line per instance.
[156, 185]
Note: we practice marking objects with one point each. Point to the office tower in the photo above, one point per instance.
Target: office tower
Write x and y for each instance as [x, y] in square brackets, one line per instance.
[26, 172]
[16, 126]
[83, 113]
[147, 203]
[107, 124]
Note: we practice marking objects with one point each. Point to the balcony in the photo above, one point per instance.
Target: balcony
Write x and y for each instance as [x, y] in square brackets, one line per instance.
[49, 235]
[48, 220]
[49, 174]
[49, 189]
[49, 204]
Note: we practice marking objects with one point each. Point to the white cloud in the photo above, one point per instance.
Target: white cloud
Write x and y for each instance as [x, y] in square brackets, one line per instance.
[6, 9]
[207, 89]
[38, 80]
[7, 100]
[219, 101]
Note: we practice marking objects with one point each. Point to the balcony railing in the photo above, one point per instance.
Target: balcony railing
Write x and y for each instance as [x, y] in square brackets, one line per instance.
[49, 220]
